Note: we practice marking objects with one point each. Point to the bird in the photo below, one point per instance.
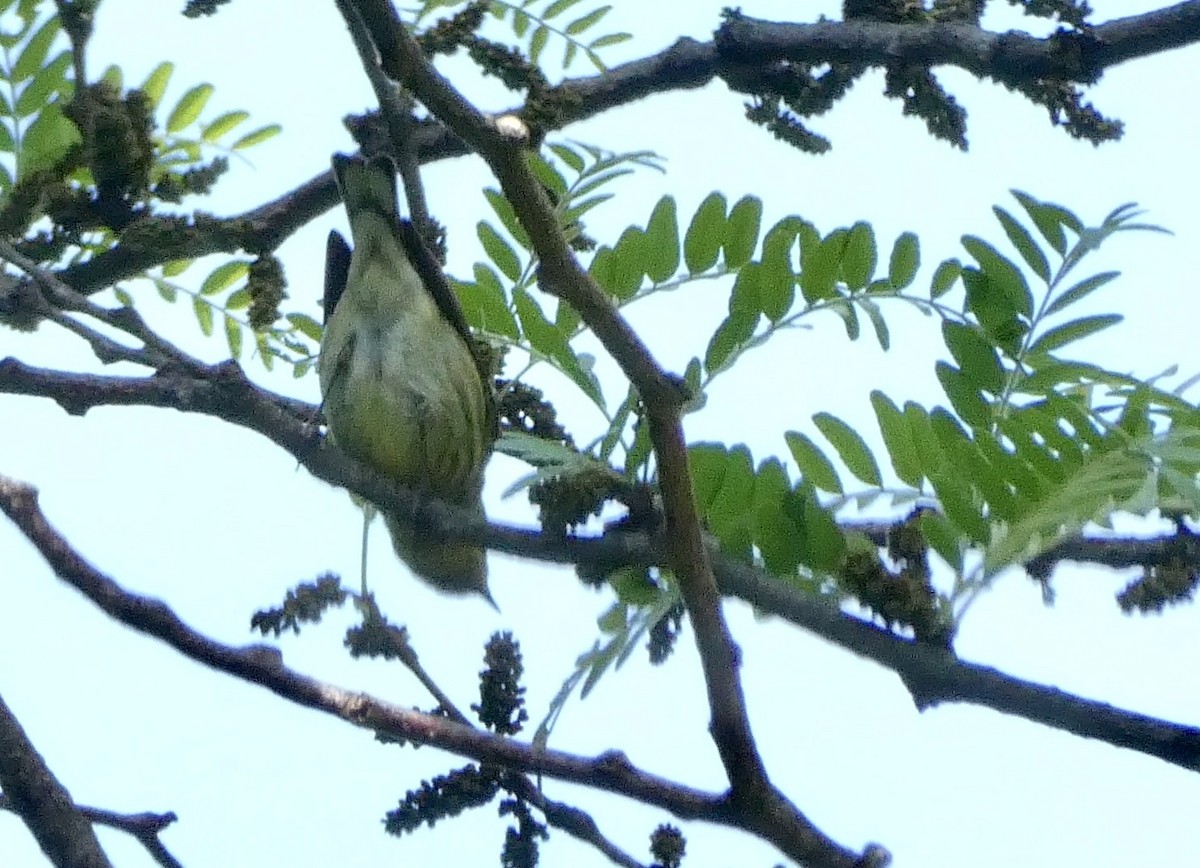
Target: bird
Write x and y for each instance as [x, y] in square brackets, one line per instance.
[405, 390]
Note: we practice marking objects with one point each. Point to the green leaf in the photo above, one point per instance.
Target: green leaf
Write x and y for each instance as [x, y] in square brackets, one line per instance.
[204, 315]
[566, 318]
[944, 277]
[156, 83]
[942, 538]
[814, 466]
[898, 440]
[223, 277]
[485, 304]
[727, 515]
[47, 140]
[240, 299]
[954, 495]
[776, 279]
[905, 260]
[176, 267]
[568, 156]
[547, 174]
[1023, 241]
[976, 356]
[114, 77]
[621, 270]
[859, 257]
[49, 80]
[547, 340]
[1081, 290]
[609, 39]
[257, 137]
[994, 312]
[705, 235]
[882, 334]
[1073, 331]
[777, 536]
[498, 250]
[660, 245]
[1002, 274]
[707, 462]
[1101, 485]
[581, 24]
[849, 314]
[520, 23]
[820, 265]
[233, 335]
[33, 55]
[508, 218]
[222, 125]
[537, 43]
[166, 291]
[741, 233]
[1049, 220]
[557, 8]
[744, 299]
[929, 452]
[964, 396]
[189, 107]
[306, 325]
[824, 545]
[7, 144]
[851, 448]
[729, 337]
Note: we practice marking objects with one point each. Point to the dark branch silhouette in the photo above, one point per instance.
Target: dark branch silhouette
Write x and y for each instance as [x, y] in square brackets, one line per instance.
[932, 675]
[733, 55]
[263, 665]
[33, 793]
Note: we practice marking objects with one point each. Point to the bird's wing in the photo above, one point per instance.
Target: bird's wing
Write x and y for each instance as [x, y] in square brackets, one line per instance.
[434, 279]
[337, 268]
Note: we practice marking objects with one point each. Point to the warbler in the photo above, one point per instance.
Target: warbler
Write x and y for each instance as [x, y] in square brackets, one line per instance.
[405, 390]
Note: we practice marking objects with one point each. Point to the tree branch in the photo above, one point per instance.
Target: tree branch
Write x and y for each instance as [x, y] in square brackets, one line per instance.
[574, 821]
[33, 792]
[932, 675]
[685, 64]
[561, 274]
[1013, 57]
[145, 827]
[263, 665]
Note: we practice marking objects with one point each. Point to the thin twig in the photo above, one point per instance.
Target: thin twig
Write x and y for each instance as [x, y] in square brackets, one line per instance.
[157, 350]
[145, 827]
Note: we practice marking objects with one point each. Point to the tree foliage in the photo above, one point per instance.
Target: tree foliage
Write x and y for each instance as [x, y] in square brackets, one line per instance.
[1032, 451]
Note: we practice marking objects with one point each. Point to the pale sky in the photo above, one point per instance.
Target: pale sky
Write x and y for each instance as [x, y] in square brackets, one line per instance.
[217, 522]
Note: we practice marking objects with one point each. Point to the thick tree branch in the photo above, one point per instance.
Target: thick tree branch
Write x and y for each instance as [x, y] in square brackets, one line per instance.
[1011, 57]
[685, 64]
[263, 665]
[561, 274]
[36, 796]
[932, 675]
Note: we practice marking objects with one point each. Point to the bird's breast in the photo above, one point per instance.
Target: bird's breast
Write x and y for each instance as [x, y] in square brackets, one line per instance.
[406, 398]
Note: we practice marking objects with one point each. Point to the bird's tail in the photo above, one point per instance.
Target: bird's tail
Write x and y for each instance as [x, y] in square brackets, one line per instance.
[368, 186]
[451, 567]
